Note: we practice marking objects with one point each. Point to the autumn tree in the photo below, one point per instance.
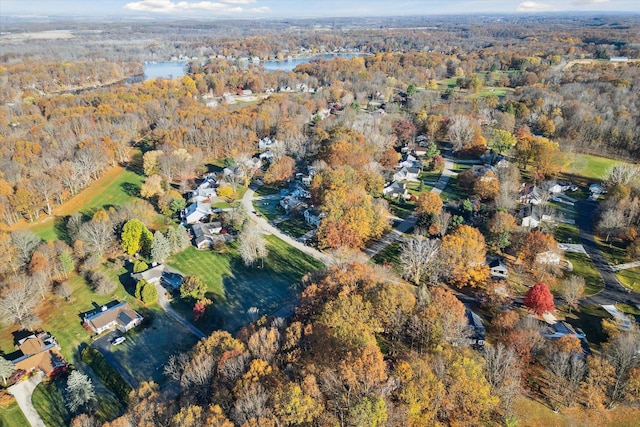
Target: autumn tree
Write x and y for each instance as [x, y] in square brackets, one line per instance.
[193, 287]
[502, 140]
[280, 171]
[503, 374]
[535, 243]
[501, 226]
[429, 203]
[252, 244]
[464, 251]
[539, 299]
[135, 237]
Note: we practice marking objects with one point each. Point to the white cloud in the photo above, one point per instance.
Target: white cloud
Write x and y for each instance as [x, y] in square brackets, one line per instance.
[532, 6]
[587, 2]
[169, 6]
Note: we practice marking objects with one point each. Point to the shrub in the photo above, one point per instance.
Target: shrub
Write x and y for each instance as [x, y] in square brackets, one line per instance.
[139, 266]
[109, 376]
[100, 283]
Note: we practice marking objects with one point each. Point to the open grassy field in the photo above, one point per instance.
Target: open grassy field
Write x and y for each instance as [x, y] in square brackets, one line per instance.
[235, 288]
[115, 188]
[583, 266]
[533, 413]
[585, 168]
[497, 91]
[269, 208]
[389, 256]
[566, 233]
[12, 416]
[589, 319]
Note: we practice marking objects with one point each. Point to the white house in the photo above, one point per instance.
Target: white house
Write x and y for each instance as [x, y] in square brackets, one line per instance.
[205, 235]
[549, 257]
[531, 220]
[266, 142]
[267, 155]
[196, 211]
[498, 269]
[407, 174]
[395, 189]
[204, 191]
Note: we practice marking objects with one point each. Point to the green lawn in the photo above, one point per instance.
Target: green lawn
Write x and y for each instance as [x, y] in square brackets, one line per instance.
[295, 227]
[630, 278]
[12, 416]
[567, 233]
[270, 209]
[403, 209]
[63, 320]
[48, 401]
[266, 190]
[590, 168]
[497, 91]
[589, 319]
[235, 288]
[583, 266]
[452, 192]
[389, 256]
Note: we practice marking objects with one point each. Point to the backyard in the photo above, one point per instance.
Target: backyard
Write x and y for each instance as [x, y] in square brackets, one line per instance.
[11, 416]
[236, 290]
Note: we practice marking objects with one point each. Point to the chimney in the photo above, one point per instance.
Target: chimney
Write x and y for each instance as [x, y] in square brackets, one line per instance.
[103, 308]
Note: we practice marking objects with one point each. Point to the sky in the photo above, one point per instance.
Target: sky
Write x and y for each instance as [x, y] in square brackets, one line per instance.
[205, 9]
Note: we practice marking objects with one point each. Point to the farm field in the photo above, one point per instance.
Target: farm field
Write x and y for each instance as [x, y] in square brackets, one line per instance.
[235, 288]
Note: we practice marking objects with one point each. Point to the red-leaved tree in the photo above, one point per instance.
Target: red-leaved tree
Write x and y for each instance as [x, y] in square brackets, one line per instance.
[539, 299]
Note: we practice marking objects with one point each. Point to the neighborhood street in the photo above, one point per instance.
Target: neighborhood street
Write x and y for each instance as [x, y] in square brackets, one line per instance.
[23, 392]
[613, 292]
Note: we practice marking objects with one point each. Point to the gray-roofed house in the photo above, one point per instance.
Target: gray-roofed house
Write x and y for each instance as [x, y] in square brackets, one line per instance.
[206, 234]
[498, 269]
[476, 325]
[407, 174]
[120, 316]
[161, 274]
[196, 211]
[395, 189]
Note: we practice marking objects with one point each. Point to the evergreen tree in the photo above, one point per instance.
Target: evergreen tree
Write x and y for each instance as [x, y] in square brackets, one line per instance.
[161, 247]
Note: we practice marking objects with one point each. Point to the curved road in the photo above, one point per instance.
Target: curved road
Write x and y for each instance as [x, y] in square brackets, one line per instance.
[613, 292]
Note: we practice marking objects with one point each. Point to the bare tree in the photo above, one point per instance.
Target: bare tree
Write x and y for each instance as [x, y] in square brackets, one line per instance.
[503, 373]
[97, 236]
[17, 305]
[264, 343]
[64, 290]
[573, 290]
[252, 244]
[418, 254]
[25, 242]
[622, 353]
[174, 368]
[565, 371]
[461, 132]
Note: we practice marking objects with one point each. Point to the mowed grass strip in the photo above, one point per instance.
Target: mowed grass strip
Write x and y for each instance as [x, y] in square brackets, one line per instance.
[583, 266]
[12, 416]
[590, 168]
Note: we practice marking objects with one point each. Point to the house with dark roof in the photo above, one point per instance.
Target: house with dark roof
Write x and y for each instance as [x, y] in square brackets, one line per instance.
[120, 316]
[39, 352]
[477, 329]
[160, 274]
[498, 269]
[206, 234]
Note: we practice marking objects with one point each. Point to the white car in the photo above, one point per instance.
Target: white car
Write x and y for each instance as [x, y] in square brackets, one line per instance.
[119, 340]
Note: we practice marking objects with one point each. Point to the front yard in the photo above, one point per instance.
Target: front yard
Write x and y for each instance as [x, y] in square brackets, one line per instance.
[583, 266]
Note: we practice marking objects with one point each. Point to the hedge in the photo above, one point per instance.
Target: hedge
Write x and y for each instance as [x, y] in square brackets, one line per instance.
[109, 376]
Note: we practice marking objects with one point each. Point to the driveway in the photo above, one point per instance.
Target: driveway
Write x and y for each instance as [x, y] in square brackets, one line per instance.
[23, 392]
[613, 292]
[166, 306]
[103, 345]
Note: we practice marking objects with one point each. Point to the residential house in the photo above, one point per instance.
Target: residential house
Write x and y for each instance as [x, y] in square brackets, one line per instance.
[422, 140]
[477, 329]
[267, 155]
[306, 180]
[39, 352]
[312, 216]
[531, 195]
[205, 191]
[195, 212]
[395, 190]
[254, 163]
[408, 161]
[531, 220]
[596, 189]
[119, 316]
[266, 143]
[160, 274]
[498, 269]
[561, 329]
[407, 174]
[205, 235]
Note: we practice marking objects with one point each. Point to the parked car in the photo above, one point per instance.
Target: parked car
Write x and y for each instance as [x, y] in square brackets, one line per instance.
[118, 340]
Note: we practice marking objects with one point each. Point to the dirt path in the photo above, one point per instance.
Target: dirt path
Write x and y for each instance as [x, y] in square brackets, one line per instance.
[23, 392]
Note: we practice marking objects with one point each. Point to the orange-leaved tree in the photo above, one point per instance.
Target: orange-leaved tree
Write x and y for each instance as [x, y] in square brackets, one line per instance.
[464, 251]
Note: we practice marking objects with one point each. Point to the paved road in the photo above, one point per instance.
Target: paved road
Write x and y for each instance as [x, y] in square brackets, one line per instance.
[23, 392]
[613, 292]
[269, 228]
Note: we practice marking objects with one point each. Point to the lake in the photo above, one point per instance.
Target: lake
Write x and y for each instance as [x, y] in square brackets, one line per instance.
[288, 65]
[165, 70]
